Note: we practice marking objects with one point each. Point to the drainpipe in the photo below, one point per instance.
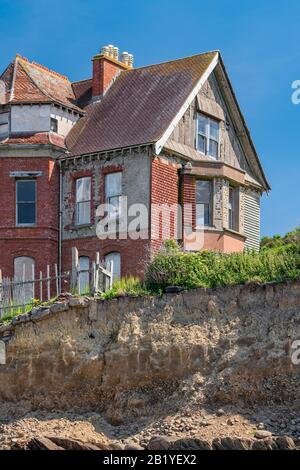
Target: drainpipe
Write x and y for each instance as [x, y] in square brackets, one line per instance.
[60, 223]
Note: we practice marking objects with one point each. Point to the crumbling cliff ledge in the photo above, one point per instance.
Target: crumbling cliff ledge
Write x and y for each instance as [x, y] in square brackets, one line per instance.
[89, 353]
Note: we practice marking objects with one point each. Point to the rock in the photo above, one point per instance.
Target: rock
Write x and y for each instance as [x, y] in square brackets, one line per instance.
[220, 412]
[285, 443]
[261, 426]
[133, 447]
[160, 443]
[230, 422]
[39, 314]
[42, 443]
[59, 307]
[260, 434]
[78, 302]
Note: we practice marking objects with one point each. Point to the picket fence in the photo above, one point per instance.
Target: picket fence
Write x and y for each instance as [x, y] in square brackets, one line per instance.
[19, 295]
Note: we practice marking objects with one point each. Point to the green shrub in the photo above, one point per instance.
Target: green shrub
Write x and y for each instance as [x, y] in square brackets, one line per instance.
[210, 269]
[126, 286]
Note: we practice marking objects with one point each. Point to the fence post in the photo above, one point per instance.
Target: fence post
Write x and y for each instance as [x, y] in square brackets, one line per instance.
[41, 286]
[56, 280]
[48, 283]
[97, 271]
[75, 267]
[1, 293]
[33, 282]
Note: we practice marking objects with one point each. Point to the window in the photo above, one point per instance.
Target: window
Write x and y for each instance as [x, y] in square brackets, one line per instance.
[53, 125]
[233, 209]
[207, 136]
[26, 202]
[116, 259]
[84, 275]
[24, 267]
[83, 201]
[113, 192]
[203, 202]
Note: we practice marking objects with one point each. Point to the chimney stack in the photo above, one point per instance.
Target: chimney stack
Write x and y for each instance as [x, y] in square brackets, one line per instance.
[106, 66]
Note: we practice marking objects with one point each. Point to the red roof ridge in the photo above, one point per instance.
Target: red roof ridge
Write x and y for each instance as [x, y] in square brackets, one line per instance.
[42, 67]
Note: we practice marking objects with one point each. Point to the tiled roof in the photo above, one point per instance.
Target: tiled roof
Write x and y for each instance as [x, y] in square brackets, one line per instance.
[83, 92]
[35, 139]
[139, 106]
[29, 82]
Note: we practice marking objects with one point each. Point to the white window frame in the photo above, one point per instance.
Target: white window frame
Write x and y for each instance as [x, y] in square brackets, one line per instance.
[111, 196]
[22, 224]
[207, 135]
[233, 209]
[88, 202]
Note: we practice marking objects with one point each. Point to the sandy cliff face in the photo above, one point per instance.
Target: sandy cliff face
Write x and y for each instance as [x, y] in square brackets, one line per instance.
[235, 342]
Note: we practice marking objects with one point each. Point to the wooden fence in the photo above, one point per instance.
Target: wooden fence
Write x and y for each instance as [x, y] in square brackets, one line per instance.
[19, 295]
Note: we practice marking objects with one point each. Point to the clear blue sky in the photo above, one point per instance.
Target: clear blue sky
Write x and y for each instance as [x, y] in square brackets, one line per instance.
[259, 42]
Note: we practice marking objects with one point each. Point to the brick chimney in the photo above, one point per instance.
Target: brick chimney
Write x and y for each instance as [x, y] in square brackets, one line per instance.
[106, 66]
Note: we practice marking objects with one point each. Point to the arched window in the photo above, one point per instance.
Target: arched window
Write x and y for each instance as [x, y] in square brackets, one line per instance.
[24, 271]
[84, 275]
[116, 259]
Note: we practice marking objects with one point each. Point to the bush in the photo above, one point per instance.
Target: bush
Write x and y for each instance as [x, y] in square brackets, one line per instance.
[210, 269]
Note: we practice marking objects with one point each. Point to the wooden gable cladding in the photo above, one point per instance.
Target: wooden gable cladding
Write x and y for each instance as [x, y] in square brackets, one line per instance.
[210, 107]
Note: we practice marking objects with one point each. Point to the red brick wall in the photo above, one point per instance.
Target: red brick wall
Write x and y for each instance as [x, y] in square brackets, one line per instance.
[41, 241]
[103, 73]
[188, 199]
[164, 190]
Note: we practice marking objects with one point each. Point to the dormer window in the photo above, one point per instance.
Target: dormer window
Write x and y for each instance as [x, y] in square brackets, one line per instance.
[207, 136]
[53, 125]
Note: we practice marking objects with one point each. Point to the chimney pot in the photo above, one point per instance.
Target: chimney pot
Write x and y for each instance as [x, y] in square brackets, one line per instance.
[125, 58]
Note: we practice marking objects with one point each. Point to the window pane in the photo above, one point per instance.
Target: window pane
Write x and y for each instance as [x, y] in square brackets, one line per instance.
[84, 277]
[83, 213]
[201, 143]
[214, 130]
[83, 189]
[116, 259]
[113, 184]
[203, 192]
[26, 191]
[202, 123]
[26, 213]
[202, 214]
[213, 148]
[114, 206]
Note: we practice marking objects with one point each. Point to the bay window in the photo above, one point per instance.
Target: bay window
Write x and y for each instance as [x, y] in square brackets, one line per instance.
[83, 201]
[207, 138]
[203, 202]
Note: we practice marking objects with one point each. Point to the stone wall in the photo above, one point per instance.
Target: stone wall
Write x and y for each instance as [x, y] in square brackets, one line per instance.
[87, 353]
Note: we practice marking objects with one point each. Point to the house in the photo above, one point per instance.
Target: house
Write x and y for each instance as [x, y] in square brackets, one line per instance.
[165, 137]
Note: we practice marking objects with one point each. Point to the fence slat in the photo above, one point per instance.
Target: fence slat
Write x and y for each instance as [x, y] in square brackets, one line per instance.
[48, 283]
[57, 280]
[41, 286]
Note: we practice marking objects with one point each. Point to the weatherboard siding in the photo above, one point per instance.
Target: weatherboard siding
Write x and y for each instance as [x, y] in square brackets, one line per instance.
[252, 219]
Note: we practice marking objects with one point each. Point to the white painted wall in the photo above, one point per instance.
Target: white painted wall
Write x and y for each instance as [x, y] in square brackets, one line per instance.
[36, 118]
[65, 119]
[4, 126]
[30, 118]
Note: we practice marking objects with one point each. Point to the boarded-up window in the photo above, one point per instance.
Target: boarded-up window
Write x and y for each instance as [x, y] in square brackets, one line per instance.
[115, 258]
[24, 271]
[84, 275]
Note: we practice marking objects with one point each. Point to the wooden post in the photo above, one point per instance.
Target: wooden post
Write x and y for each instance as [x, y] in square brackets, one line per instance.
[1, 293]
[111, 279]
[33, 282]
[75, 268]
[48, 283]
[93, 277]
[41, 286]
[97, 271]
[56, 280]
